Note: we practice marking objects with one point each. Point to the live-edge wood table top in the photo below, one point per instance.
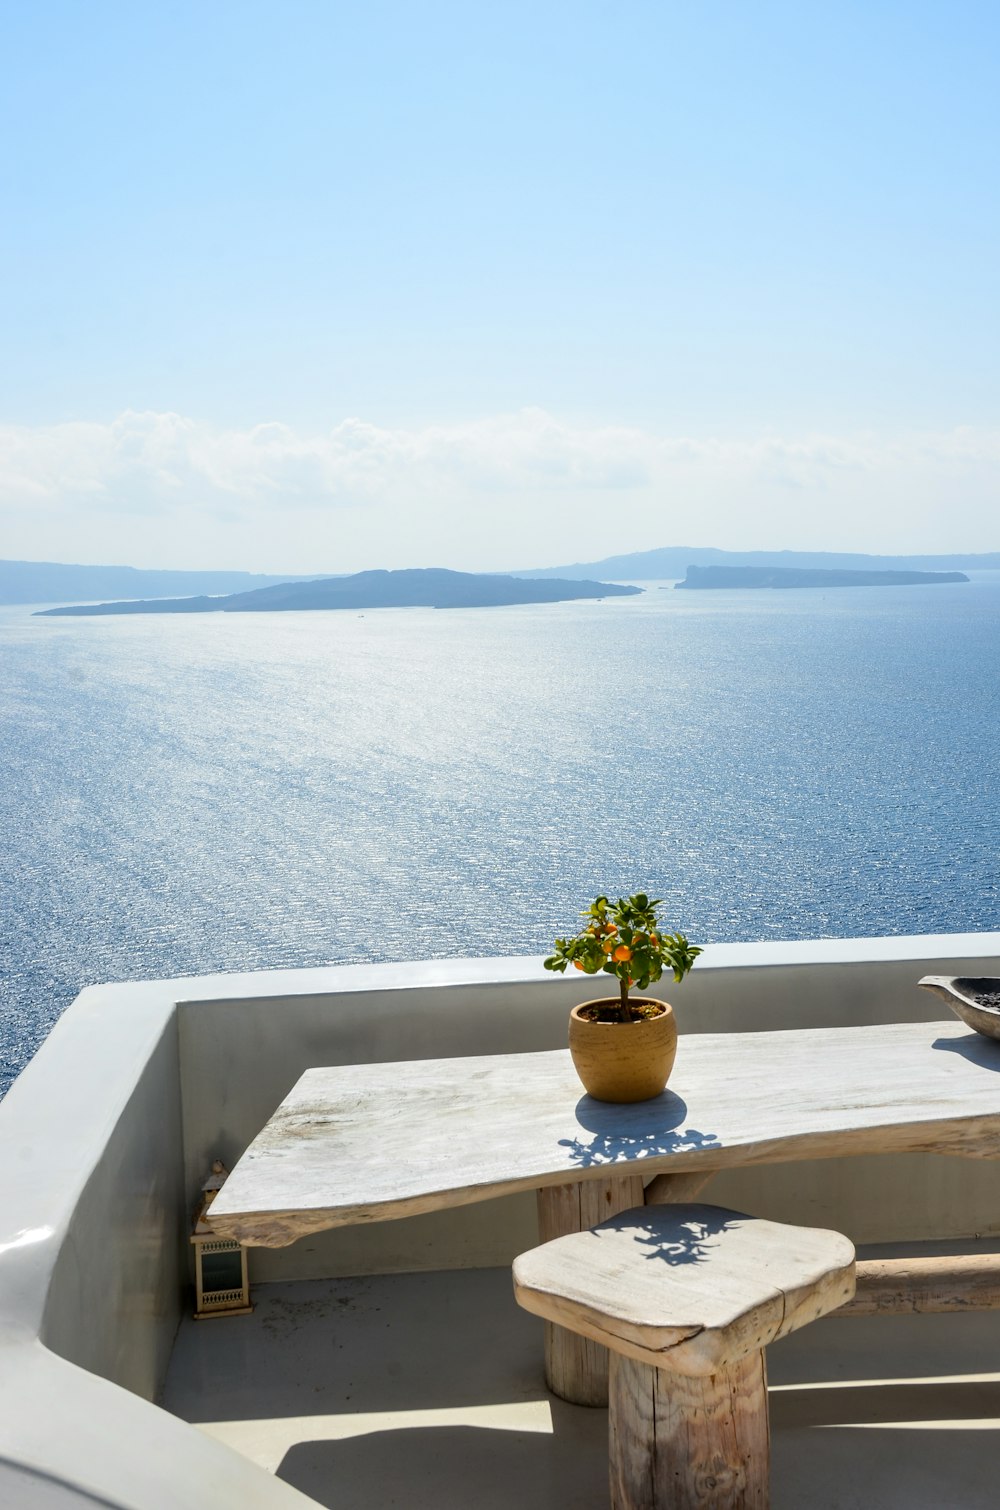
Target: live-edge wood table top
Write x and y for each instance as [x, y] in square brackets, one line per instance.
[366, 1142]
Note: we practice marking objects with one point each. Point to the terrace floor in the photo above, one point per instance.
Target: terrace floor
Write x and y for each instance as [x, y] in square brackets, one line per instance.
[426, 1390]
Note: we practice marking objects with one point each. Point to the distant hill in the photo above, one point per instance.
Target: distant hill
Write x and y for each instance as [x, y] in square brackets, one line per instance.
[431, 587]
[778, 576]
[53, 582]
[672, 561]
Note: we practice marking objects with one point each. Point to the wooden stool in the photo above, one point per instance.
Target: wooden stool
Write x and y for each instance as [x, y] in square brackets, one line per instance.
[687, 1297]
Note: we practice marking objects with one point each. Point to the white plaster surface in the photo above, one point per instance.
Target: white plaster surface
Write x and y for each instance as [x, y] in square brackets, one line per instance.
[107, 1136]
[426, 1390]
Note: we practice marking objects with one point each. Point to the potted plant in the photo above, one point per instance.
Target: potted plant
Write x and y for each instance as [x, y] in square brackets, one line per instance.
[623, 1047]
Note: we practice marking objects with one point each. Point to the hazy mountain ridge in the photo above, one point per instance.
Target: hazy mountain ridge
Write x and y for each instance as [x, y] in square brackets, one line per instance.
[428, 587]
[57, 582]
[672, 561]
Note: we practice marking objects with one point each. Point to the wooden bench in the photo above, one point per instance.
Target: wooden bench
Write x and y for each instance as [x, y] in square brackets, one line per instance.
[687, 1297]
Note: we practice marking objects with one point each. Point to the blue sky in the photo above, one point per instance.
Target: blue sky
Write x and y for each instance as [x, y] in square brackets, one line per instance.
[299, 284]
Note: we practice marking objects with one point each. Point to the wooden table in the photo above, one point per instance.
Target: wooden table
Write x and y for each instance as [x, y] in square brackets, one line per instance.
[368, 1142]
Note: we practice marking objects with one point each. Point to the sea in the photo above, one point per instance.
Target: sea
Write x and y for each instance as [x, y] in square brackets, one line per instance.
[184, 794]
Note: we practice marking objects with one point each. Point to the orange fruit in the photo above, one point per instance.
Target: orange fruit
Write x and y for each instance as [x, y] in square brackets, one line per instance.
[623, 952]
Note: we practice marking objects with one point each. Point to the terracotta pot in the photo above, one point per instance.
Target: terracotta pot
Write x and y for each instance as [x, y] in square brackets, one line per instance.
[623, 1061]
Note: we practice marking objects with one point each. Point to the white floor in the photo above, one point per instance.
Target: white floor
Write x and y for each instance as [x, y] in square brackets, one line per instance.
[425, 1390]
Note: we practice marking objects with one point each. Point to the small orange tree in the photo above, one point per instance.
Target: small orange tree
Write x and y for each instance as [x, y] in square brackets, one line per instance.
[625, 940]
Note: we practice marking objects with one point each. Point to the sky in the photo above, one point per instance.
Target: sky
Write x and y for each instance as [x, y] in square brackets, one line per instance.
[330, 286]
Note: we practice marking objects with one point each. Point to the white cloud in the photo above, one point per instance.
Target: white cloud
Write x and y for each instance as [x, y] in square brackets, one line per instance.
[506, 490]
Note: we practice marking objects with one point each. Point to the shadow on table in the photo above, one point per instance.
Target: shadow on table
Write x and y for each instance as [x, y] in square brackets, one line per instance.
[642, 1130]
[977, 1048]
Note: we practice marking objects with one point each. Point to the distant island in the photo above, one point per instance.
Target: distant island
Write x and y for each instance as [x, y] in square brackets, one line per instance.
[784, 576]
[39, 582]
[669, 562]
[430, 587]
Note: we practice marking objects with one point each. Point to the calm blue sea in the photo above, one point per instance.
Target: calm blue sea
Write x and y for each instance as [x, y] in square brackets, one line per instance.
[230, 792]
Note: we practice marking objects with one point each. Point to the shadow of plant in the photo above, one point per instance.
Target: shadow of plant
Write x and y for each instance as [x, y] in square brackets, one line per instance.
[677, 1235]
[642, 1130]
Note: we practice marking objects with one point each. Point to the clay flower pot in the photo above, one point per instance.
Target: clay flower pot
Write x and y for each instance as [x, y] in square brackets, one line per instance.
[623, 1061]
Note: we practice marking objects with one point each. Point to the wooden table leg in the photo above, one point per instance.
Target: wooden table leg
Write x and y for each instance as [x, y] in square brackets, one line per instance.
[576, 1369]
[664, 1189]
[690, 1443]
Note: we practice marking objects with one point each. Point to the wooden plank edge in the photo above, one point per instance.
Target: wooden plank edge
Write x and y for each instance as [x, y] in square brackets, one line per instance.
[925, 1286]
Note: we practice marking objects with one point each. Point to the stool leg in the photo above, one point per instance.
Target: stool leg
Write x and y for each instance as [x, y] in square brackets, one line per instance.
[683, 1443]
[576, 1369]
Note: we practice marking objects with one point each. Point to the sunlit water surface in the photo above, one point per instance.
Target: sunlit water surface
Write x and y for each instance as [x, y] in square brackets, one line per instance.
[233, 792]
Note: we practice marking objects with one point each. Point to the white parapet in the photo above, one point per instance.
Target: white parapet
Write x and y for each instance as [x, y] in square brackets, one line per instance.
[107, 1136]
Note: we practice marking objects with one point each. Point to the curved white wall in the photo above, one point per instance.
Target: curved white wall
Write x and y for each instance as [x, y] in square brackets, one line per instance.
[107, 1136]
[91, 1242]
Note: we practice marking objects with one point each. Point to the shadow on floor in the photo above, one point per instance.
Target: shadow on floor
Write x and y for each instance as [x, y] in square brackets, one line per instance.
[884, 1468]
[337, 1347]
[889, 1404]
[452, 1466]
[821, 1468]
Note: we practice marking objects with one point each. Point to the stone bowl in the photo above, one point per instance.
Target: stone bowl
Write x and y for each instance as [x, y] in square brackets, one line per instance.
[973, 998]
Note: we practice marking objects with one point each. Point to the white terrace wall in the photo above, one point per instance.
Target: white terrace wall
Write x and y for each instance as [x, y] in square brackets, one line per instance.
[239, 1058]
[92, 1231]
[107, 1136]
